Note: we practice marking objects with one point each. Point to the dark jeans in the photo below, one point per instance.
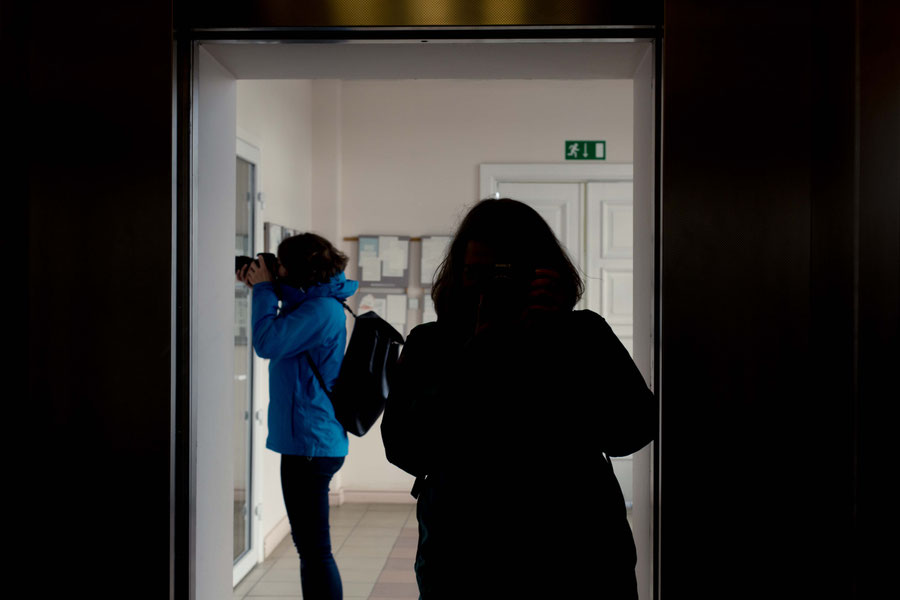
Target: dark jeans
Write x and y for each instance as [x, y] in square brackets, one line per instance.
[304, 483]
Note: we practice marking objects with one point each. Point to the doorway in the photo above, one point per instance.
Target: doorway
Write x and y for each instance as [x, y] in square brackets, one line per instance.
[229, 63]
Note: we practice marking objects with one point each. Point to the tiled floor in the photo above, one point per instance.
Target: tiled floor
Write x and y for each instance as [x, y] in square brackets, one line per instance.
[374, 545]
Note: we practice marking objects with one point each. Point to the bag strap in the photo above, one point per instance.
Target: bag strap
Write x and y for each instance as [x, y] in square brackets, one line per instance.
[345, 305]
[313, 365]
[318, 375]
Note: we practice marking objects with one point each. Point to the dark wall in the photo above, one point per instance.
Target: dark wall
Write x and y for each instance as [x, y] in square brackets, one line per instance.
[779, 282]
[878, 284]
[779, 291]
[95, 94]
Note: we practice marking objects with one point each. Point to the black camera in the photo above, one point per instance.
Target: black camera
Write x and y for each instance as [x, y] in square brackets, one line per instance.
[268, 258]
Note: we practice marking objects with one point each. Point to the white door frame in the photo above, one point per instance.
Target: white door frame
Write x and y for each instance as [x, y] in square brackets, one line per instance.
[493, 173]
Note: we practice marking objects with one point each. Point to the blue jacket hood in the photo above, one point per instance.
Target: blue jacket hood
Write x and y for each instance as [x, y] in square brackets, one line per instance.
[337, 287]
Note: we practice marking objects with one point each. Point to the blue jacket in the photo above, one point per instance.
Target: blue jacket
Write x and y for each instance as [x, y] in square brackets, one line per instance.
[301, 417]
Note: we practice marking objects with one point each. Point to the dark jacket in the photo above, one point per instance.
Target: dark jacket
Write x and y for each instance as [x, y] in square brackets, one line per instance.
[522, 419]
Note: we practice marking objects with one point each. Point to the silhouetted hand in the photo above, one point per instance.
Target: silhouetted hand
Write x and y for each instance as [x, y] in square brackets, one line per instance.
[258, 272]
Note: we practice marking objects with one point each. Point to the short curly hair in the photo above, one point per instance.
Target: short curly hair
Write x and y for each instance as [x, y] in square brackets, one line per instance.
[310, 259]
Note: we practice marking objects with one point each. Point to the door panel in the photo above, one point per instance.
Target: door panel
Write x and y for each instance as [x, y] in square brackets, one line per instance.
[561, 206]
[595, 222]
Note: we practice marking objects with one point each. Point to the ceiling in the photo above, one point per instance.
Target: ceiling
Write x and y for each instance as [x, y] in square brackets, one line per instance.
[576, 59]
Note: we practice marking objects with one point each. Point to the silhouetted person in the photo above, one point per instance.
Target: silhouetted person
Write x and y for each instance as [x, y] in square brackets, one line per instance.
[302, 425]
[503, 410]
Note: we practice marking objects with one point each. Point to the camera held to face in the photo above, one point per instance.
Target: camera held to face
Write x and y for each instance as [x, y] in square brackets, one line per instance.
[270, 260]
[504, 289]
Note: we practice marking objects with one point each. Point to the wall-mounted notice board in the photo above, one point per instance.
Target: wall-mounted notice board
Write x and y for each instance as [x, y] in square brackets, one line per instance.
[383, 261]
[434, 249]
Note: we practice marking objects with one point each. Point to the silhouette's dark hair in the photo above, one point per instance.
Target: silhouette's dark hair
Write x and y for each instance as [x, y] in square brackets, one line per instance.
[310, 259]
[519, 235]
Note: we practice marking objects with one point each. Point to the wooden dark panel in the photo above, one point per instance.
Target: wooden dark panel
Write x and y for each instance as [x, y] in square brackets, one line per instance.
[879, 291]
[758, 299]
[98, 167]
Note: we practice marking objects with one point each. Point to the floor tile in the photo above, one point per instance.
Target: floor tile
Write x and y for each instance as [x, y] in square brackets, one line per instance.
[371, 542]
[360, 575]
[407, 576]
[396, 590]
[360, 562]
[275, 588]
[375, 531]
[364, 551]
[408, 541]
[401, 552]
[288, 562]
[282, 575]
[398, 564]
[358, 589]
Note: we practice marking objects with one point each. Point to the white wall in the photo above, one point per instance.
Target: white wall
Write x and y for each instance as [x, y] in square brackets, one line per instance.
[276, 117]
[212, 320]
[411, 148]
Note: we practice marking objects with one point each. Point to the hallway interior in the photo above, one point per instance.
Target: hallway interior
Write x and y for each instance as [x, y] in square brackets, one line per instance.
[374, 545]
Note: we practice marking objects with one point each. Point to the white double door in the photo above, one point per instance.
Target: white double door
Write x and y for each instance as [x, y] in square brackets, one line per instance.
[590, 209]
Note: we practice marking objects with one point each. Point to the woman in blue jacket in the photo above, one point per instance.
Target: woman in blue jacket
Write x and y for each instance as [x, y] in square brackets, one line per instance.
[302, 426]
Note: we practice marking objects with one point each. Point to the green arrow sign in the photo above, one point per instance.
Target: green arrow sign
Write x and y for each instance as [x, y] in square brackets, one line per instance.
[585, 150]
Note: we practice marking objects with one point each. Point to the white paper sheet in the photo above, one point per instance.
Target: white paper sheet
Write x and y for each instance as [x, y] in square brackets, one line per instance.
[394, 255]
[370, 268]
[434, 249]
[396, 308]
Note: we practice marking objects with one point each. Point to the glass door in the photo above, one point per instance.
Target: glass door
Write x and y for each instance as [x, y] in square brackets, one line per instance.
[245, 554]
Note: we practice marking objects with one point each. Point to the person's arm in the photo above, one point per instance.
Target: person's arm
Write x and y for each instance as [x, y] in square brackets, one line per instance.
[627, 415]
[282, 336]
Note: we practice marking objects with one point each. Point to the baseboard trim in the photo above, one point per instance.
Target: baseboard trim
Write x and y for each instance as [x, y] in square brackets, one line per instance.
[281, 530]
[336, 497]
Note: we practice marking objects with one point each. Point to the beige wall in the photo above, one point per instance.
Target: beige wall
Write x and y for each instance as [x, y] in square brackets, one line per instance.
[411, 148]
[275, 116]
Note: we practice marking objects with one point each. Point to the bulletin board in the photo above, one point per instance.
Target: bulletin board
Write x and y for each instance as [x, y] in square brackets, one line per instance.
[383, 261]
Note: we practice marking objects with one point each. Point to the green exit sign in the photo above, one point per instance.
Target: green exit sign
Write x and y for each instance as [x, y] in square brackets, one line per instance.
[585, 150]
